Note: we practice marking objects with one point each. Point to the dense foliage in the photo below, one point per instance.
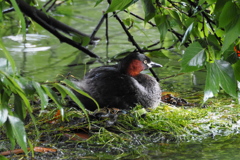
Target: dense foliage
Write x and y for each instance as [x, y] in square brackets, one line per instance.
[208, 30]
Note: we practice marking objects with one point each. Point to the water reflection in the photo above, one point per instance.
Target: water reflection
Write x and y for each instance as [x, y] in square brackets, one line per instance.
[28, 44]
[223, 148]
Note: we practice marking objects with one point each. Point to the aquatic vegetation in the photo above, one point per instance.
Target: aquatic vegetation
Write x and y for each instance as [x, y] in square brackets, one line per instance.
[133, 131]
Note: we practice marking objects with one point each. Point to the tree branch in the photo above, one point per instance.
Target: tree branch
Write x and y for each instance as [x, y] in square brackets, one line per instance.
[130, 37]
[52, 24]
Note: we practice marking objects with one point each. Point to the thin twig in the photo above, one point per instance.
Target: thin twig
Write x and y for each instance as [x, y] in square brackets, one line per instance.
[130, 37]
[106, 33]
[178, 35]
[138, 17]
[51, 6]
[152, 50]
[172, 76]
[97, 27]
[154, 44]
[48, 2]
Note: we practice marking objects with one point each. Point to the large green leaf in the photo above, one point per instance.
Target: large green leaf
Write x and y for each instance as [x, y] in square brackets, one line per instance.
[212, 82]
[149, 9]
[14, 85]
[10, 133]
[220, 73]
[120, 5]
[18, 131]
[4, 99]
[187, 33]
[193, 58]
[229, 10]
[236, 68]
[219, 7]
[43, 96]
[19, 108]
[232, 34]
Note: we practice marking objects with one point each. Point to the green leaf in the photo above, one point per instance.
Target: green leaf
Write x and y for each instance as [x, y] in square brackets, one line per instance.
[193, 58]
[228, 12]
[209, 1]
[128, 21]
[149, 9]
[3, 158]
[10, 133]
[3, 114]
[120, 5]
[174, 14]
[74, 87]
[83, 40]
[236, 68]
[187, 33]
[212, 41]
[229, 55]
[162, 24]
[98, 2]
[219, 7]
[19, 107]
[227, 78]
[18, 131]
[21, 17]
[43, 96]
[8, 56]
[26, 85]
[53, 96]
[25, 100]
[72, 96]
[14, 86]
[212, 82]
[220, 73]
[231, 34]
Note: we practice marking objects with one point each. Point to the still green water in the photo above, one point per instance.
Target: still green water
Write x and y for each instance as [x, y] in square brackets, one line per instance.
[43, 58]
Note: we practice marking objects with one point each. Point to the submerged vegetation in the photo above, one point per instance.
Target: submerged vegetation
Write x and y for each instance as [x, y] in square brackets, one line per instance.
[39, 114]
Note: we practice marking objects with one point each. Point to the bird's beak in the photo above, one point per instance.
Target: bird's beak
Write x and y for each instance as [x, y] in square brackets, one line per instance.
[153, 64]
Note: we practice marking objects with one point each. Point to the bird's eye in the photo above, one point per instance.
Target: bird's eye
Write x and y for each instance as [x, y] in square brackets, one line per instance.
[145, 62]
